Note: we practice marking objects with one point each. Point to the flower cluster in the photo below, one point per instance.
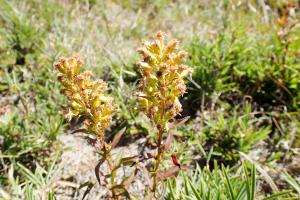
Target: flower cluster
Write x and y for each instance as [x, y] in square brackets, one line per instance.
[162, 80]
[86, 97]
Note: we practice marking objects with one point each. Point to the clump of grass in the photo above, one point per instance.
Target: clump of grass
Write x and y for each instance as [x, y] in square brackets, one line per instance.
[242, 64]
[39, 183]
[220, 183]
[227, 134]
[230, 67]
[29, 121]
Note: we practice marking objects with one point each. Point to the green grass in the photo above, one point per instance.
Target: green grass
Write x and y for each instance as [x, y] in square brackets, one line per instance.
[238, 64]
[217, 184]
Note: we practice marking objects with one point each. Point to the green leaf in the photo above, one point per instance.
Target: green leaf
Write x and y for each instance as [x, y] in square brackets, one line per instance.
[253, 183]
[276, 195]
[228, 183]
[196, 193]
[29, 175]
[292, 182]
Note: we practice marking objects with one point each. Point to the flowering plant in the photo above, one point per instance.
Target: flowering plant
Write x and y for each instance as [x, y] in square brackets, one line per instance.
[88, 99]
[161, 85]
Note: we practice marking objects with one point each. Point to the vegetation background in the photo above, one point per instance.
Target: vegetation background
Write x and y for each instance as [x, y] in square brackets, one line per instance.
[243, 97]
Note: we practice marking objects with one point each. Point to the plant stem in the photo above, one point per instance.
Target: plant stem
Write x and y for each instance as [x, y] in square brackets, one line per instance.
[159, 146]
[157, 159]
[107, 156]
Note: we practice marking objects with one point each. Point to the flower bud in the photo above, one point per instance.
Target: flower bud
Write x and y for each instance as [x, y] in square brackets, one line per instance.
[172, 45]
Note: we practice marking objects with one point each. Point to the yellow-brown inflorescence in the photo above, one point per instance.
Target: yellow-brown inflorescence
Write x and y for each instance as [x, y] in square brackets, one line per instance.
[162, 80]
[86, 97]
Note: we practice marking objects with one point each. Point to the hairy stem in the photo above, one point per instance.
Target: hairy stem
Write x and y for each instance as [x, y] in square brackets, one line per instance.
[159, 148]
[157, 160]
[107, 155]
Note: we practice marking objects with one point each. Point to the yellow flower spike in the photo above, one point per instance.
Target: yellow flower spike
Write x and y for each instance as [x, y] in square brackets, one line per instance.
[86, 97]
[162, 80]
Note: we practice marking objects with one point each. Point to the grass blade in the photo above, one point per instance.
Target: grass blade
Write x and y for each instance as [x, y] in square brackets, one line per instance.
[292, 182]
[196, 193]
[253, 183]
[276, 195]
[231, 193]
